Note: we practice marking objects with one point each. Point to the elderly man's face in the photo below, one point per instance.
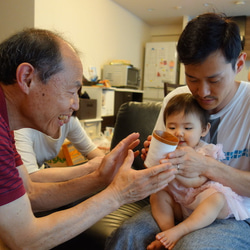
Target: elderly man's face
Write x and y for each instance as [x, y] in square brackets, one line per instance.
[55, 101]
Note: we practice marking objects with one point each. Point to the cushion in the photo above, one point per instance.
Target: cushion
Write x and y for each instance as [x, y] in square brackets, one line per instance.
[136, 117]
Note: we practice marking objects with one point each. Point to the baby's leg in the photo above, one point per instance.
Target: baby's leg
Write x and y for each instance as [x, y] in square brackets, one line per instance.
[164, 210]
[207, 211]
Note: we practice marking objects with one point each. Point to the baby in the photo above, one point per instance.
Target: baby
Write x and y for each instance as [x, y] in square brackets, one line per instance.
[194, 202]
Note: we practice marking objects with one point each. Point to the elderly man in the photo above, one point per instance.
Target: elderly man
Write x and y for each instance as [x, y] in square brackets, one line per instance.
[40, 75]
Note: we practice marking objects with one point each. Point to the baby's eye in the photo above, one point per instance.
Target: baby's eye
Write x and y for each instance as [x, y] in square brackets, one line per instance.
[171, 128]
[188, 128]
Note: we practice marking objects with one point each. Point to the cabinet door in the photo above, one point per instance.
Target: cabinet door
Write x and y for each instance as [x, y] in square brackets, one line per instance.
[126, 96]
[120, 98]
[153, 94]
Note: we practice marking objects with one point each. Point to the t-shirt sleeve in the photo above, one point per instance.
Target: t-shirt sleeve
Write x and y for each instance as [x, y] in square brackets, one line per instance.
[24, 143]
[11, 185]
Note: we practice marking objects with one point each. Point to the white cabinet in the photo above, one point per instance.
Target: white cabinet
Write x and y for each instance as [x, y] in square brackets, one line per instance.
[105, 99]
[92, 127]
[109, 101]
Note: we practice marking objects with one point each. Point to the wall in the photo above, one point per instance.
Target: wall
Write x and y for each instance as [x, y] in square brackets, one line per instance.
[14, 16]
[167, 33]
[100, 29]
[243, 75]
[170, 33]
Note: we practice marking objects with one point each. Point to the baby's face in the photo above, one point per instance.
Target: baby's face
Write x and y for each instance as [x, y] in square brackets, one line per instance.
[187, 128]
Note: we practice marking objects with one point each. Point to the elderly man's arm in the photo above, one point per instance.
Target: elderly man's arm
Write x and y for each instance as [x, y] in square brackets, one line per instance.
[20, 229]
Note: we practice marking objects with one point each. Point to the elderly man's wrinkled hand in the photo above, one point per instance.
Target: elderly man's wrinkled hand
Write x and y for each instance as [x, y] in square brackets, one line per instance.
[113, 161]
[131, 185]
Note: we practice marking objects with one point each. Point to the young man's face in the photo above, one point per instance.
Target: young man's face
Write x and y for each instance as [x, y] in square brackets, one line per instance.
[212, 82]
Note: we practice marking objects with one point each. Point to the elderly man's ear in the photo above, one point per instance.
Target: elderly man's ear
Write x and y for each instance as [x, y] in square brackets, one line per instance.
[24, 75]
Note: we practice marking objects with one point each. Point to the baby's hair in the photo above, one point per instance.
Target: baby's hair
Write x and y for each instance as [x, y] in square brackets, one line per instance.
[186, 103]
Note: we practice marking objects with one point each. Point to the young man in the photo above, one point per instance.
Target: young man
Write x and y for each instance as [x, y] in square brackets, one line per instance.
[40, 75]
[36, 148]
[210, 49]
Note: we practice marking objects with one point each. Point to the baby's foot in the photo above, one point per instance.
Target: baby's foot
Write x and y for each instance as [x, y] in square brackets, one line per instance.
[169, 237]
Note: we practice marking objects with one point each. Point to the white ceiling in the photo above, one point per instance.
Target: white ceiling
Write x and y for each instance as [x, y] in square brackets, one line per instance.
[160, 12]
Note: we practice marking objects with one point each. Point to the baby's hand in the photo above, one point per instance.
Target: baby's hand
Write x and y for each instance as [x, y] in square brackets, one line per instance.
[146, 145]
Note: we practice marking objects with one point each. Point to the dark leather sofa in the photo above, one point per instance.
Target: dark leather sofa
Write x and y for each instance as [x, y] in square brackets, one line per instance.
[132, 117]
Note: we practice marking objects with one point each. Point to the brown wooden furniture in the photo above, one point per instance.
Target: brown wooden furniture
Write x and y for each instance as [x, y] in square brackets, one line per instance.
[168, 87]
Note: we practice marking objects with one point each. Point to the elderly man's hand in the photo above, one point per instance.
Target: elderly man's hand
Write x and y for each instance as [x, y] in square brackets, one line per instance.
[113, 161]
[131, 185]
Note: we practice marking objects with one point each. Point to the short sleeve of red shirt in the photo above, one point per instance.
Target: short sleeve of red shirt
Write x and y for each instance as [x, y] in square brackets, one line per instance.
[11, 185]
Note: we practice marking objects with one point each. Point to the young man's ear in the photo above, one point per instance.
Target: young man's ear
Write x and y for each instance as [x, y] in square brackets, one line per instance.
[206, 130]
[240, 62]
[24, 76]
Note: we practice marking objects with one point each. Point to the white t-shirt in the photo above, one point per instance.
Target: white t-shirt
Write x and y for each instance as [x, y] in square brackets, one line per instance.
[230, 126]
[35, 147]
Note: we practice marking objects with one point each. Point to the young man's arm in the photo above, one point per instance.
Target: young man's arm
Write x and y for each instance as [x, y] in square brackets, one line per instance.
[57, 174]
[190, 166]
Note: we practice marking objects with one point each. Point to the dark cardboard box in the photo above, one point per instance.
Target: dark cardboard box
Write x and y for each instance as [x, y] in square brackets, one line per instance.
[87, 109]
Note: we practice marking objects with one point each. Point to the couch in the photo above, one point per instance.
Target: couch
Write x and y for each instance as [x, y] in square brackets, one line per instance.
[132, 117]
